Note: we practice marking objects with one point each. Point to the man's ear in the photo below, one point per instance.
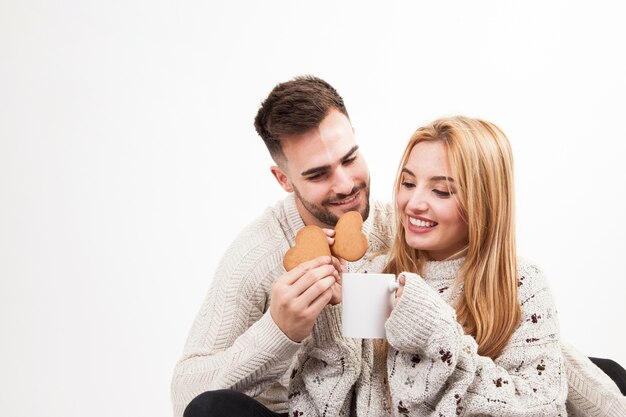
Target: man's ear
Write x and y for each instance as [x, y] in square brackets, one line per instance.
[282, 178]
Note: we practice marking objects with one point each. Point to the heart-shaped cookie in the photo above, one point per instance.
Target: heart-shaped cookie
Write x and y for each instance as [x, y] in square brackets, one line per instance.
[311, 242]
[350, 242]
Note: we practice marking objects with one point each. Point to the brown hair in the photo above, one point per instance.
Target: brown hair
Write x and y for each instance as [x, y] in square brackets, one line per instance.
[481, 161]
[293, 107]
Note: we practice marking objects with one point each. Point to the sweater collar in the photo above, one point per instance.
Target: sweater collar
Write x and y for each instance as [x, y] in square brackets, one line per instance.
[293, 215]
[442, 270]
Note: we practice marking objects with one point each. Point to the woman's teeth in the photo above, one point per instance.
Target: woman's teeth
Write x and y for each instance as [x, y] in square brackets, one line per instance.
[421, 223]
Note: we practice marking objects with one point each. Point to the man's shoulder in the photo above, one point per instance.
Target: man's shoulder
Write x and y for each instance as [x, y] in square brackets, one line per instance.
[251, 262]
[383, 222]
[383, 207]
[269, 228]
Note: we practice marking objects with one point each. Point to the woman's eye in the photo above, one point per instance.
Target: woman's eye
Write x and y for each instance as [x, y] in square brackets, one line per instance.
[442, 193]
[407, 184]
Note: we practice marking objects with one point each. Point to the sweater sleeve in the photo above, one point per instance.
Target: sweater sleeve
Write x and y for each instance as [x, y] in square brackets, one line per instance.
[322, 383]
[234, 342]
[435, 367]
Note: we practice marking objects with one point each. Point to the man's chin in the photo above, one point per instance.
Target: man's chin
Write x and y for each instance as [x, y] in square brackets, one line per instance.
[362, 208]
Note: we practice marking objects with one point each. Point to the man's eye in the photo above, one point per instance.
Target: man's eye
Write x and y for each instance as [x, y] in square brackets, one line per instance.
[316, 177]
[442, 193]
[349, 161]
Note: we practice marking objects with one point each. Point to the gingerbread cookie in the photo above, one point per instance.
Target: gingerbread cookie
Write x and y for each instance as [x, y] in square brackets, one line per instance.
[350, 242]
[311, 242]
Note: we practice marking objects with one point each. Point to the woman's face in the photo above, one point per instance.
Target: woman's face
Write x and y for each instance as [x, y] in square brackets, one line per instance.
[428, 203]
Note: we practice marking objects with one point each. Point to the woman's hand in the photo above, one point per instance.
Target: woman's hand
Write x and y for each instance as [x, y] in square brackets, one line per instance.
[400, 290]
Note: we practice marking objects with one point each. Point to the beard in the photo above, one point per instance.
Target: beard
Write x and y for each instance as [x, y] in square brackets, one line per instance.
[321, 213]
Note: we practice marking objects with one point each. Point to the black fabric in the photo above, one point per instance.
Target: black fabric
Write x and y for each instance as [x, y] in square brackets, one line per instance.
[227, 403]
[614, 370]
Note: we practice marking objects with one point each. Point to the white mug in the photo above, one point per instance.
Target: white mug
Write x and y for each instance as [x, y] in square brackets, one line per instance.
[367, 300]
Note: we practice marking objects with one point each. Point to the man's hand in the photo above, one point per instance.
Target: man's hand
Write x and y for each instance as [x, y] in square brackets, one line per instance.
[299, 296]
[336, 288]
[339, 266]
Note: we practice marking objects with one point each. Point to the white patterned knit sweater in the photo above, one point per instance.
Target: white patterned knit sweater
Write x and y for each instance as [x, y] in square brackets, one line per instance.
[433, 368]
[234, 343]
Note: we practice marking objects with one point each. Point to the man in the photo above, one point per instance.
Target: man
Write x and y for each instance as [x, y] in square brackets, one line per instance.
[238, 356]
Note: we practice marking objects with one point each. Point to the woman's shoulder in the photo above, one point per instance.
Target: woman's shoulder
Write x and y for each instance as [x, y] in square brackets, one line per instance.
[533, 287]
[539, 322]
[530, 275]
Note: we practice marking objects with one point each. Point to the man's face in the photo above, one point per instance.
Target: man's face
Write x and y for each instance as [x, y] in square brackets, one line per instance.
[326, 171]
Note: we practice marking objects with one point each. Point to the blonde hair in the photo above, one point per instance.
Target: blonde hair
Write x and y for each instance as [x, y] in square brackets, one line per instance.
[481, 162]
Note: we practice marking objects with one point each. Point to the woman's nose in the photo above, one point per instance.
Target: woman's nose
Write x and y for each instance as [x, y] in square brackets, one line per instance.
[417, 202]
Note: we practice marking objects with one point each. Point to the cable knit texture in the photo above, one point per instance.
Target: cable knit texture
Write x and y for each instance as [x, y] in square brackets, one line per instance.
[433, 368]
[234, 343]
[591, 393]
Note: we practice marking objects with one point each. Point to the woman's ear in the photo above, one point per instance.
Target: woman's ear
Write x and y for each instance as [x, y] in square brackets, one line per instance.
[282, 178]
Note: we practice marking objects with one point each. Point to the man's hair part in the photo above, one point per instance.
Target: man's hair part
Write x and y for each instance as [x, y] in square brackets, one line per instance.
[295, 107]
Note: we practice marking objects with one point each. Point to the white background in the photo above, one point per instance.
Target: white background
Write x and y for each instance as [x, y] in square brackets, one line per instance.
[128, 161]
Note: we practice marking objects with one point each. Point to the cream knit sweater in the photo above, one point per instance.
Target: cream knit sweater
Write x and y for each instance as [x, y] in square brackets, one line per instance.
[433, 368]
[234, 343]
[591, 393]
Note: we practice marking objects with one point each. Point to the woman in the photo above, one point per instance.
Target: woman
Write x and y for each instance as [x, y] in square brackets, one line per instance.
[474, 330]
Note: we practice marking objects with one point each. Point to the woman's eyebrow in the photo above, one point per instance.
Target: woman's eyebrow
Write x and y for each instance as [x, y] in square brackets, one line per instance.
[442, 178]
[436, 178]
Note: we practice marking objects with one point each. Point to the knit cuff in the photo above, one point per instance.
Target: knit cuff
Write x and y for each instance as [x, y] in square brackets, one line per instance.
[327, 329]
[618, 408]
[419, 315]
[271, 339]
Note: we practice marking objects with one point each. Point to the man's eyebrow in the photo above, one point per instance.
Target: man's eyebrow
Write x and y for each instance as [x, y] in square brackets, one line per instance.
[350, 152]
[327, 167]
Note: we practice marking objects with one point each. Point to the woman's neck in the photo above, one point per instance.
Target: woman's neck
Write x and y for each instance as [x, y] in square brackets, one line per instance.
[456, 255]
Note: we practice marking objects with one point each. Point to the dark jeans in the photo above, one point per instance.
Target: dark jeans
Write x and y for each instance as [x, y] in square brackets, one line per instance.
[227, 403]
[614, 370]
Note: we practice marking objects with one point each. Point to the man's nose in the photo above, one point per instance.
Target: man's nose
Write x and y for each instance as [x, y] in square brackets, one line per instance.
[344, 184]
